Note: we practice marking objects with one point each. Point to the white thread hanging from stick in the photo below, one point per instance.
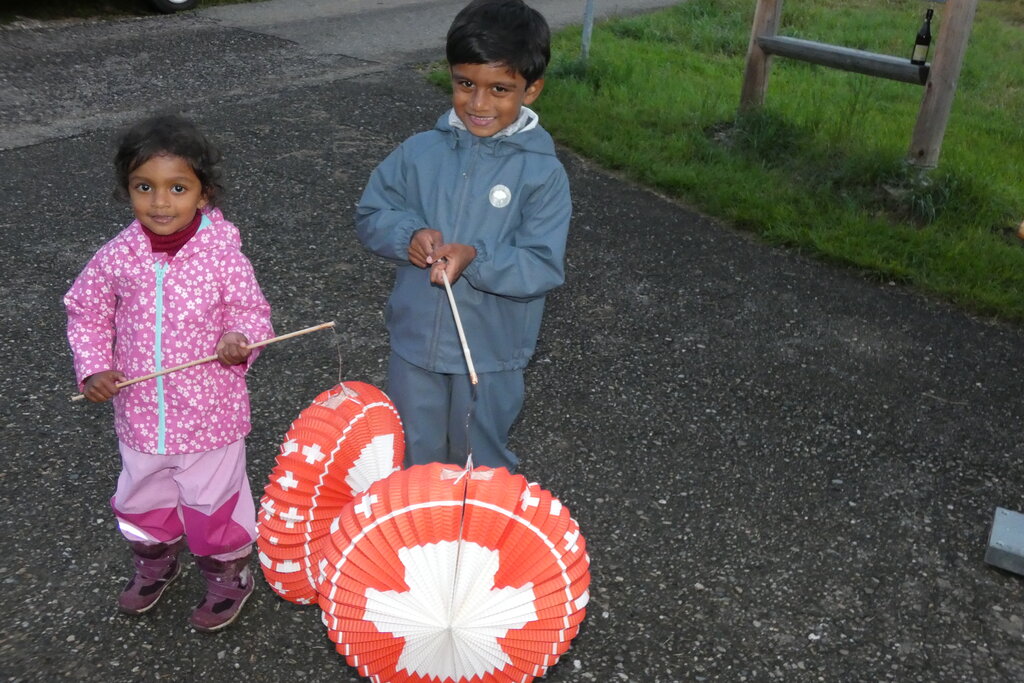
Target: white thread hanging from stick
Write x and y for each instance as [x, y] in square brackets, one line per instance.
[208, 359]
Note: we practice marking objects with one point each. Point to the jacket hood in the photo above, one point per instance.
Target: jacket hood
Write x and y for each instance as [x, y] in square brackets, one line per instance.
[528, 135]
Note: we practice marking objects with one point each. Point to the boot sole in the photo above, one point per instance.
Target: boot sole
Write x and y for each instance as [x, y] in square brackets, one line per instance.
[159, 596]
[238, 611]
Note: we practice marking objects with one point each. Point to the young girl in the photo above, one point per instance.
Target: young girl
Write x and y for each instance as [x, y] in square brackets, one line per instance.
[170, 288]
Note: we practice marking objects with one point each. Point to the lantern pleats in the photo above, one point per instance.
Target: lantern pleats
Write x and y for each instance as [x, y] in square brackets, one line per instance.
[438, 573]
[349, 437]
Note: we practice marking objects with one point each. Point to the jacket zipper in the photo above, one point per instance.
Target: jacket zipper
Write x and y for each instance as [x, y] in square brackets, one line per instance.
[465, 183]
[158, 357]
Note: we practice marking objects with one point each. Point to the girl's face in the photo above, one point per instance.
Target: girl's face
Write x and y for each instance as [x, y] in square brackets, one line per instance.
[488, 97]
[165, 193]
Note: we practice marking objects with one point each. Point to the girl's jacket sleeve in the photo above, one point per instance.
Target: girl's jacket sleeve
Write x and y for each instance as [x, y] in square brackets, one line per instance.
[534, 263]
[90, 305]
[245, 308]
[383, 224]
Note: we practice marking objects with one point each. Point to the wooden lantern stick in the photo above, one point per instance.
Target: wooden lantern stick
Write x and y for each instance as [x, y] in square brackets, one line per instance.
[458, 326]
[208, 359]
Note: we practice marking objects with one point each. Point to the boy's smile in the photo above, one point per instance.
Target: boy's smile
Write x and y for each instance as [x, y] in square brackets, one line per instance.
[487, 97]
[165, 193]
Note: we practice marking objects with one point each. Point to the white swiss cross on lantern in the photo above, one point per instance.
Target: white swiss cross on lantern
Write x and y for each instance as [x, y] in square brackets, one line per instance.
[288, 481]
[365, 504]
[313, 454]
[472, 631]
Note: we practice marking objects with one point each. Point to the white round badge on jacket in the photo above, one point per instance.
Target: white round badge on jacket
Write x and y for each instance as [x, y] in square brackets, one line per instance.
[500, 196]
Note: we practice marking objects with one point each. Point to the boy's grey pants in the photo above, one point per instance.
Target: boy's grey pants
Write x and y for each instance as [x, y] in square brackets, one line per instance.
[434, 408]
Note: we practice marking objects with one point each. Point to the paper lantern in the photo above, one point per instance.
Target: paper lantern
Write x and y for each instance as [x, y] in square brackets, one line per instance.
[348, 438]
[440, 574]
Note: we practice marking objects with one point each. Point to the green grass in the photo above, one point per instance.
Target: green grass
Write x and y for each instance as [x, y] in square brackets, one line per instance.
[821, 166]
[48, 10]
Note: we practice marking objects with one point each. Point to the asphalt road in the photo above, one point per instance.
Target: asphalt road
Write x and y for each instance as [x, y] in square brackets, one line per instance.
[784, 470]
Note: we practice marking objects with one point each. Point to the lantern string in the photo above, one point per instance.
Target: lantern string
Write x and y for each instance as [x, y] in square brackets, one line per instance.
[341, 358]
[469, 421]
[453, 595]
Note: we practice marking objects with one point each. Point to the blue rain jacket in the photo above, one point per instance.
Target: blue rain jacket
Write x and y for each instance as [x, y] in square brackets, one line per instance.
[506, 196]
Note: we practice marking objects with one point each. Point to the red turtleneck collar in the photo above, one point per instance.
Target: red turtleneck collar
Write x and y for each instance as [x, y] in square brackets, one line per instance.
[170, 244]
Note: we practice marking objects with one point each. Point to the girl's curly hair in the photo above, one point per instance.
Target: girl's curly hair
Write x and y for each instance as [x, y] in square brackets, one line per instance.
[169, 134]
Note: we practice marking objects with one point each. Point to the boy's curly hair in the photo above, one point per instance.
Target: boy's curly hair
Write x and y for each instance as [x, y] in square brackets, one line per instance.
[501, 32]
[168, 134]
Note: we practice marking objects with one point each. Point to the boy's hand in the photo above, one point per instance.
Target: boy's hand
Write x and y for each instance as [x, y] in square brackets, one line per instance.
[232, 348]
[422, 246]
[451, 259]
[103, 385]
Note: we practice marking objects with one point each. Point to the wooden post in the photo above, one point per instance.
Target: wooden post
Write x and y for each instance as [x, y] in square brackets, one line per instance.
[950, 47]
[755, 76]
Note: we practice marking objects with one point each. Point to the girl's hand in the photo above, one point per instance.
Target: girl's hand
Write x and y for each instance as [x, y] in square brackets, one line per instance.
[232, 349]
[103, 385]
[451, 259]
[422, 246]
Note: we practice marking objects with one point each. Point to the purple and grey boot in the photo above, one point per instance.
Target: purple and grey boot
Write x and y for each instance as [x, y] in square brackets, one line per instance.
[228, 585]
[156, 566]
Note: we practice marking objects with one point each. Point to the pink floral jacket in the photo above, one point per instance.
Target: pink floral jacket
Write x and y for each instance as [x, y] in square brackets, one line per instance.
[138, 312]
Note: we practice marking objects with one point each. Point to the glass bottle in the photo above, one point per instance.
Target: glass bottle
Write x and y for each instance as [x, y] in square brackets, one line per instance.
[923, 40]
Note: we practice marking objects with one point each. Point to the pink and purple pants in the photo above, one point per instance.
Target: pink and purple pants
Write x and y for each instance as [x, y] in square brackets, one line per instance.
[204, 497]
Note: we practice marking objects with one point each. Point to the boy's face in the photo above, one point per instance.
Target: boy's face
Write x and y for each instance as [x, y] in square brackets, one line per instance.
[165, 193]
[487, 97]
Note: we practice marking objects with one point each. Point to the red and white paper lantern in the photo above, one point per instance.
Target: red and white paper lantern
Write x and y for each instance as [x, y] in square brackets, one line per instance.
[349, 437]
[443, 574]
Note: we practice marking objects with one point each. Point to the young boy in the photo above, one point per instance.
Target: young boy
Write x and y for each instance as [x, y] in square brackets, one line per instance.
[483, 199]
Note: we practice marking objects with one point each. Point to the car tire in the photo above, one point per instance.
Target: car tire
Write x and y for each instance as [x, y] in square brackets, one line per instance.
[169, 6]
